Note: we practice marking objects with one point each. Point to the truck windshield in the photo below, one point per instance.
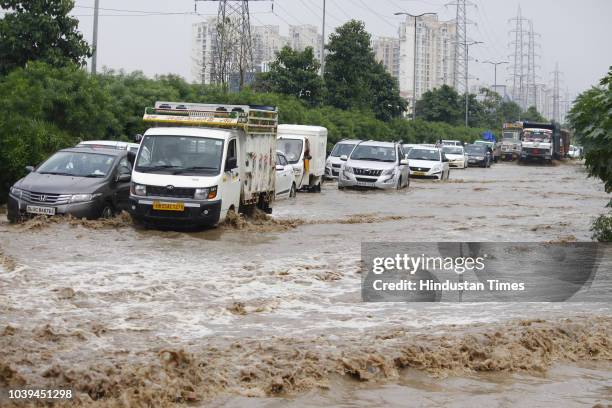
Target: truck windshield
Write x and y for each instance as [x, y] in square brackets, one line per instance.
[77, 164]
[180, 155]
[374, 153]
[292, 148]
[536, 136]
[342, 149]
[509, 135]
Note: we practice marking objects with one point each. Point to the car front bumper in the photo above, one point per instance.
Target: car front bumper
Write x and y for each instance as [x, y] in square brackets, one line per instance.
[477, 162]
[426, 175]
[195, 213]
[381, 182]
[457, 163]
[332, 173]
[17, 209]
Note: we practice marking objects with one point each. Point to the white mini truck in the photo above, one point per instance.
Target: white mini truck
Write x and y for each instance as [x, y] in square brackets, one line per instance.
[201, 161]
[305, 148]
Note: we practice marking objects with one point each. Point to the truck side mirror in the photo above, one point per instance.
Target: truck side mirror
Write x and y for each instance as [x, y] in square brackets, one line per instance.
[280, 167]
[29, 169]
[344, 157]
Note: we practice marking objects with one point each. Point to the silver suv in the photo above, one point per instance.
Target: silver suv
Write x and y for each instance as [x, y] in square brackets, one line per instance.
[375, 165]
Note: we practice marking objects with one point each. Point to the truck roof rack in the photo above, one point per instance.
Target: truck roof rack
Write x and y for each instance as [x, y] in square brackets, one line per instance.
[252, 119]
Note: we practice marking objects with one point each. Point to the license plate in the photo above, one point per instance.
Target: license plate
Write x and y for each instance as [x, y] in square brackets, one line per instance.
[472, 161]
[419, 173]
[161, 206]
[364, 184]
[33, 209]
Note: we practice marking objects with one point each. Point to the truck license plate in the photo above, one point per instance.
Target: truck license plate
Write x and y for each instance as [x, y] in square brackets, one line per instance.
[161, 206]
[33, 209]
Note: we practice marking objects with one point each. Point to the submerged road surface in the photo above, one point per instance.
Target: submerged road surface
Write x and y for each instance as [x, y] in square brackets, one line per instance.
[269, 313]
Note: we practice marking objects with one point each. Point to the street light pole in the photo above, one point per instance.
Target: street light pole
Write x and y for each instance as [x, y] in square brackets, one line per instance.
[323, 43]
[94, 57]
[467, 89]
[495, 64]
[414, 75]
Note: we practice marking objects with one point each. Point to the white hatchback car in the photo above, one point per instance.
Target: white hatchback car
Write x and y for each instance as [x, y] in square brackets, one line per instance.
[285, 179]
[375, 165]
[429, 162]
[456, 155]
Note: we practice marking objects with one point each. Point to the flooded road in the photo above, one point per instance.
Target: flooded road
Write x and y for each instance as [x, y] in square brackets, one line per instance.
[269, 313]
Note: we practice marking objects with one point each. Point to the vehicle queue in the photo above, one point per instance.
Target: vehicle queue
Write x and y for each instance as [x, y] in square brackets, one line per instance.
[199, 162]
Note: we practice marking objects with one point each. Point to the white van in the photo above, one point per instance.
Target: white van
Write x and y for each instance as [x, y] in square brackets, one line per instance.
[305, 149]
[222, 159]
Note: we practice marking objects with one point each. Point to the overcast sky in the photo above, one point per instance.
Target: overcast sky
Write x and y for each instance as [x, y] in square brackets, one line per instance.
[574, 34]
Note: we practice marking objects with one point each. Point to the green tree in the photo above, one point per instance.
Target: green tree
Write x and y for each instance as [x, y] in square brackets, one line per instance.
[532, 115]
[294, 73]
[40, 30]
[440, 105]
[353, 77]
[591, 120]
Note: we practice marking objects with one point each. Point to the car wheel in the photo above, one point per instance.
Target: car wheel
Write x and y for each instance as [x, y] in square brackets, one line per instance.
[107, 211]
[293, 191]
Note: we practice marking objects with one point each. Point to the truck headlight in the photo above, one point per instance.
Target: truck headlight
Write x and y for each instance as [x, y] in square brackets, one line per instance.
[81, 198]
[17, 192]
[139, 189]
[208, 193]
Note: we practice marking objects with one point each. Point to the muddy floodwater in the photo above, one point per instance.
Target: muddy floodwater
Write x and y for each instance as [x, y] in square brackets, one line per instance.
[268, 313]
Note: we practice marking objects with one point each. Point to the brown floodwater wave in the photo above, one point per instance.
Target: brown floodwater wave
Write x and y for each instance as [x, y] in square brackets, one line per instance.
[39, 222]
[167, 375]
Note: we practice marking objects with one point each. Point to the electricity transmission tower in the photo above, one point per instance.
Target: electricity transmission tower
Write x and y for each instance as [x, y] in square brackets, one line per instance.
[519, 59]
[460, 63]
[232, 48]
[531, 66]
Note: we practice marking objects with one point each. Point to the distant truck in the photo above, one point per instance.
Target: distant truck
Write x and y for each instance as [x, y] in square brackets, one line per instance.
[544, 141]
[200, 162]
[305, 149]
[511, 141]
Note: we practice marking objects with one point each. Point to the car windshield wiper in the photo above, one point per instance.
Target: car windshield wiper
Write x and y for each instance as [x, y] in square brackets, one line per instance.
[420, 158]
[55, 173]
[94, 175]
[156, 168]
[194, 168]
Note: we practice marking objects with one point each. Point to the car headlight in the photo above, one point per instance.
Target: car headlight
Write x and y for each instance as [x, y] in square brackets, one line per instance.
[81, 198]
[208, 193]
[389, 171]
[348, 169]
[479, 157]
[17, 192]
[139, 189]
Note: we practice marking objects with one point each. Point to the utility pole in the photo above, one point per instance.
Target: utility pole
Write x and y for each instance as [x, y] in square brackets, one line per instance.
[414, 74]
[94, 56]
[556, 97]
[467, 56]
[495, 64]
[323, 42]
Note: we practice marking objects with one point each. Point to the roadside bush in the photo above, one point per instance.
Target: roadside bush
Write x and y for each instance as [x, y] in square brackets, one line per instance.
[44, 108]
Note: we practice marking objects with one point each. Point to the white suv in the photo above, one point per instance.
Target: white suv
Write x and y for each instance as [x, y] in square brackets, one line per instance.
[333, 162]
[375, 164]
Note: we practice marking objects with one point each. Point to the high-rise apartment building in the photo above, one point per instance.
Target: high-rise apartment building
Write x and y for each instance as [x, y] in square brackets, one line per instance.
[435, 52]
[267, 42]
[202, 50]
[305, 35]
[387, 51]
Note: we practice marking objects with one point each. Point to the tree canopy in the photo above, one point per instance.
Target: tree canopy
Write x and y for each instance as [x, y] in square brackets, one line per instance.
[353, 77]
[40, 30]
[294, 73]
